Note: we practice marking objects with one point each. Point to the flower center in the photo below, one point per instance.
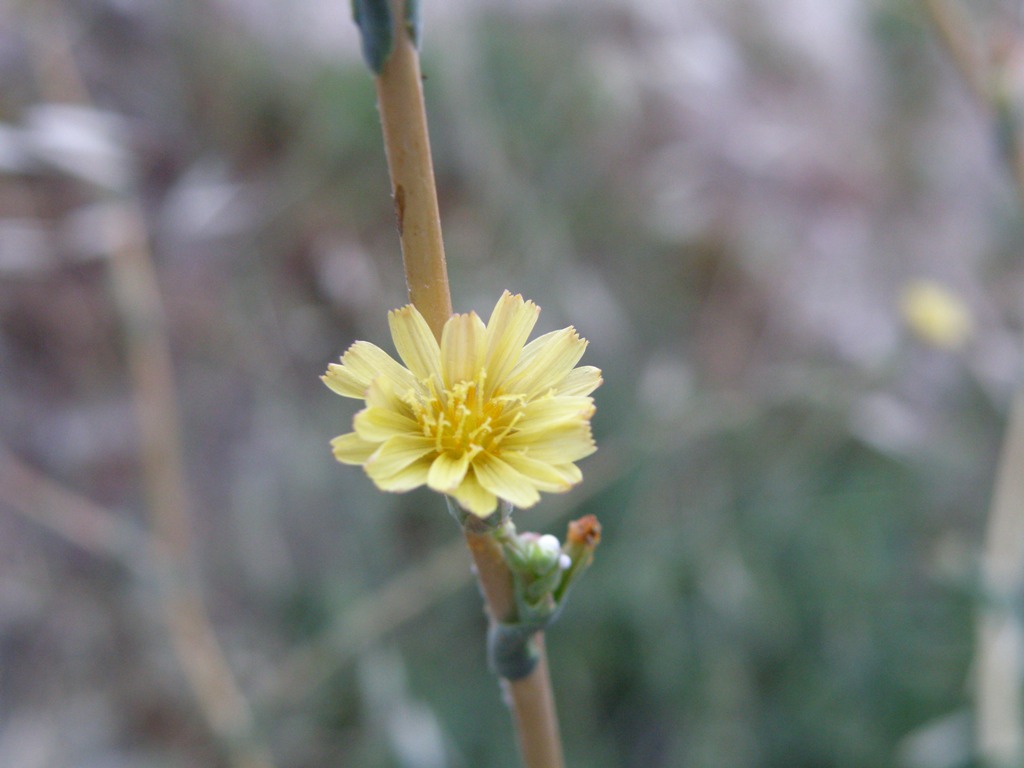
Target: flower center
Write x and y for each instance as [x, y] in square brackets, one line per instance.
[460, 419]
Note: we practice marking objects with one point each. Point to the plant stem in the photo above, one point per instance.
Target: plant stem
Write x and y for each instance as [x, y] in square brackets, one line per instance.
[407, 143]
[985, 79]
[954, 32]
[1000, 634]
[531, 697]
[137, 296]
[404, 123]
[999, 657]
[533, 703]
[76, 519]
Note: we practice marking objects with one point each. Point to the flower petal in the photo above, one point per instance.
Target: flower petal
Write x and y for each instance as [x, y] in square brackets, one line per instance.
[580, 381]
[415, 343]
[554, 478]
[550, 412]
[462, 344]
[344, 382]
[395, 454]
[545, 362]
[562, 444]
[412, 476]
[360, 365]
[381, 394]
[504, 482]
[378, 424]
[446, 472]
[530, 398]
[474, 498]
[352, 449]
[507, 331]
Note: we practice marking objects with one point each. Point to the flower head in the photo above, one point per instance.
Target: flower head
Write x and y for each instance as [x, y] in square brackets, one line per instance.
[936, 315]
[482, 416]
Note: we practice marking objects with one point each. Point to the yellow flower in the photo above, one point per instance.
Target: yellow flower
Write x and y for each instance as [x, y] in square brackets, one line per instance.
[935, 314]
[481, 416]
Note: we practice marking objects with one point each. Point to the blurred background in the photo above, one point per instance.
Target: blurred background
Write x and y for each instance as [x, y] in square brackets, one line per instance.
[786, 227]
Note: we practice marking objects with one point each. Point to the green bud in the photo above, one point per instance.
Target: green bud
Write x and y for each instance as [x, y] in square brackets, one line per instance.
[373, 17]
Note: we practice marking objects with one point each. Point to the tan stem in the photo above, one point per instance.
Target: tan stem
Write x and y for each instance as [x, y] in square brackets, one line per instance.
[954, 32]
[76, 519]
[493, 574]
[532, 697]
[985, 79]
[999, 657]
[149, 362]
[138, 298]
[533, 704]
[1000, 711]
[404, 121]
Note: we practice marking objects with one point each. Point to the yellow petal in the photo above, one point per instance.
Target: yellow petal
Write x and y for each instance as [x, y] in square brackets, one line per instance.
[474, 498]
[415, 343]
[446, 472]
[546, 361]
[532, 400]
[554, 411]
[395, 454]
[412, 476]
[361, 364]
[554, 478]
[462, 343]
[352, 449]
[381, 394]
[580, 381]
[569, 473]
[343, 382]
[504, 482]
[508, 329]
[562, 444]
[378, 424]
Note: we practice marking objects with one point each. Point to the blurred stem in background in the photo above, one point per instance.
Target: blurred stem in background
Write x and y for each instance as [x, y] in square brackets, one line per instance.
[390, 35]
[1000, 636]
[76, 519]
[999, 657]
[138, 298]
[136, 294]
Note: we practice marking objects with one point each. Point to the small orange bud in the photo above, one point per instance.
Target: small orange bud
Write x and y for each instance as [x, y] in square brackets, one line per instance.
[586, 531]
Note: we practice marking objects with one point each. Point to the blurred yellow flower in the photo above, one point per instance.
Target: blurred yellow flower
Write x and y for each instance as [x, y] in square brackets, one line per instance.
[935, 314]
[481, 416]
